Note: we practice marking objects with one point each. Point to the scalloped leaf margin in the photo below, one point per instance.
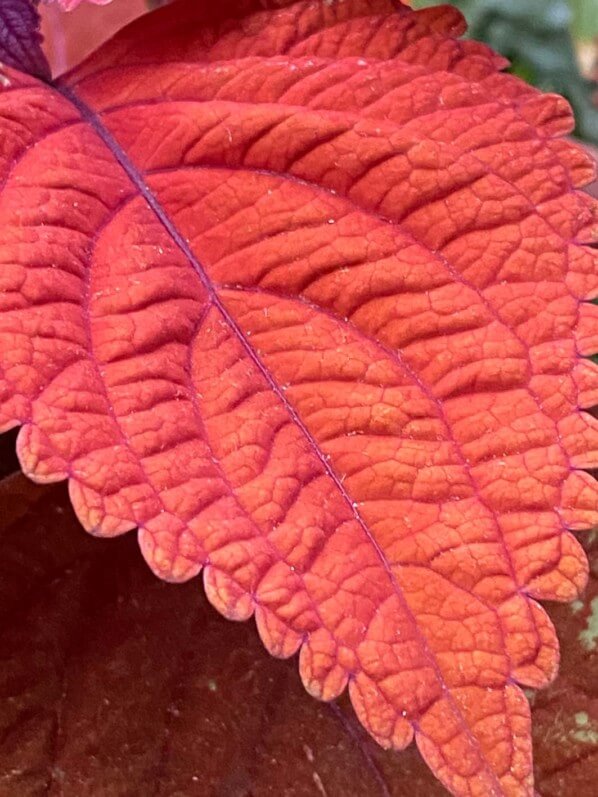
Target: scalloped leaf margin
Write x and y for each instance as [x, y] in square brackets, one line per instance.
[304, 294]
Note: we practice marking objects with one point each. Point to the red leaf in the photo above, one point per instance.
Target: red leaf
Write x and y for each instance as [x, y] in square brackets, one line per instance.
[303, 297]
[215, 714]
[208, 712]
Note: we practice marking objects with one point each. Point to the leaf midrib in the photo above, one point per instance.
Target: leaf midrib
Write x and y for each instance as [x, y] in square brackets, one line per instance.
[89, 116]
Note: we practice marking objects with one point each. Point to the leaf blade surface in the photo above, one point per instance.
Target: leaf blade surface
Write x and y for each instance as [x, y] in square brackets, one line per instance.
[315, 334]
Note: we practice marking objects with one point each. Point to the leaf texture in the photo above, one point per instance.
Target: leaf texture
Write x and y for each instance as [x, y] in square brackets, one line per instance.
[20, 40]
[303, 295]
[216, 716]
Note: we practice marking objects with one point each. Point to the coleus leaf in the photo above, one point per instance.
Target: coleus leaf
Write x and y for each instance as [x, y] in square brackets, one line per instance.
[20, 40]
[215, 714]
[302, 295]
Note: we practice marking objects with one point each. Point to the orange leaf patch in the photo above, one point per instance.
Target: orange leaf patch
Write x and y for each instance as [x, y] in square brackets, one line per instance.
[302, 295]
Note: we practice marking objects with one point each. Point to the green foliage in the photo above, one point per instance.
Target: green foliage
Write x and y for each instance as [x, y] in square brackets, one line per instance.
[536, 36]
[584, 23]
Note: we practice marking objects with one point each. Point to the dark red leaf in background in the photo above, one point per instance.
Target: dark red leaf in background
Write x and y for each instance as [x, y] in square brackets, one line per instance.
[103, 694]
[303, 297]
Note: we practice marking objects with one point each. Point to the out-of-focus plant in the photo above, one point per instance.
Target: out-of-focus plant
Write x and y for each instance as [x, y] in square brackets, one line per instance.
[536, 35]
[584, 18]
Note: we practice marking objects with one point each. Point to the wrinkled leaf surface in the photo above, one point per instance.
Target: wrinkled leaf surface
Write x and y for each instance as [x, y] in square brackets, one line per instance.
[301, 294]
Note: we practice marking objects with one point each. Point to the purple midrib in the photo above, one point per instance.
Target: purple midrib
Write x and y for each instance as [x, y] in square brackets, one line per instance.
[144, 191]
